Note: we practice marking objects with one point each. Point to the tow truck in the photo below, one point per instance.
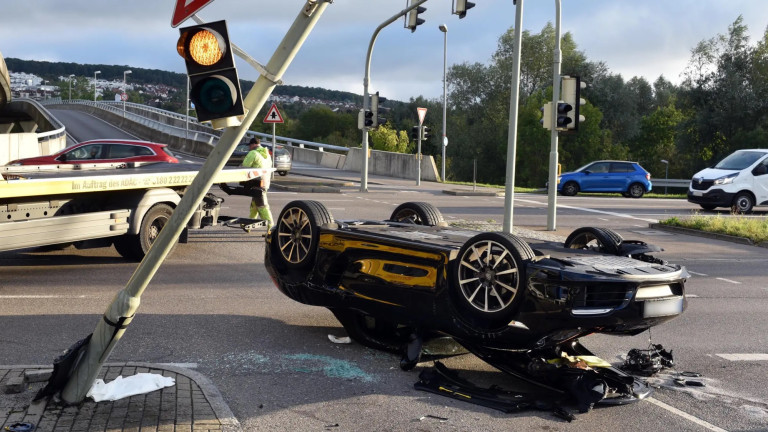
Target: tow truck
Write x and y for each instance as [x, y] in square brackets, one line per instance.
[98, 205]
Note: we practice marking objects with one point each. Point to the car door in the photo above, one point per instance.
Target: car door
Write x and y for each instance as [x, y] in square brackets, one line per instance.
[760, 173]
[596, 177]
[619, 177]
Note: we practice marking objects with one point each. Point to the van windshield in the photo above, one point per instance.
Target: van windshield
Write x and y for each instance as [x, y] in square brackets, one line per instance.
[740, 160]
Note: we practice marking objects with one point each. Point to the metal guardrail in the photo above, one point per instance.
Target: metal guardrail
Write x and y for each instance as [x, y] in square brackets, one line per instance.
[201, 132]
[670, 183]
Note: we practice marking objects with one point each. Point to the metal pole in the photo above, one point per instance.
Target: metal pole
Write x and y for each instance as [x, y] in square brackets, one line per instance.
[123, 96]
[367, 97]
[418, 157]
[444, 29]
[514, 100]
[666, 173]
[552, 193]
[94, 84]
[70, 87]
[126, 302]
[186, 112]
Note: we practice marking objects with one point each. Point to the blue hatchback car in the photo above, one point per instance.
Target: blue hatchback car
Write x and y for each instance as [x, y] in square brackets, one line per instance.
[627, 178]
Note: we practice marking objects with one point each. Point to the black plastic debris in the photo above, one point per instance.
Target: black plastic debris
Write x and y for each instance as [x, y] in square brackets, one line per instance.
[63, 366]
[443, 381]
[649, 361]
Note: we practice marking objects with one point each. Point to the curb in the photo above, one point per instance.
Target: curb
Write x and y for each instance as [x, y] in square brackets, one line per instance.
[464, 192]
[716, 236]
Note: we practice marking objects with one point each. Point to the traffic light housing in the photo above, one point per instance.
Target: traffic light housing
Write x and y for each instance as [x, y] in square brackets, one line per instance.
[571, 93]
[412, 19]
[564, 118]
[546, 116]
[377, 121]
[461, 8]
[214, 84]
[368, 119]
[426, 133]
[415, 133]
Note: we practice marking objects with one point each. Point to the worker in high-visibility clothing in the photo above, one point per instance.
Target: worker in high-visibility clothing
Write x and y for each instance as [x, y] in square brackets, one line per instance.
[259, 157]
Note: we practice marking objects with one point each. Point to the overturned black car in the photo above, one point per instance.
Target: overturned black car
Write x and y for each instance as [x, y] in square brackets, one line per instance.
[519, 305]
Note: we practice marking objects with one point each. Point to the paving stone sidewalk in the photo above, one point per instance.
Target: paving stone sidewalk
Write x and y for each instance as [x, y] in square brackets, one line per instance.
[192, 404]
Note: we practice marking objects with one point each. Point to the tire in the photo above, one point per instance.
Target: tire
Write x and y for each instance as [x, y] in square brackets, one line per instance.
[570, 189]
[283, 173]
[708, 206]
[136, 246]
[297, 233]
[636, 190]
[419, 213]
[597, 239]
[490, 277]
[743, 203]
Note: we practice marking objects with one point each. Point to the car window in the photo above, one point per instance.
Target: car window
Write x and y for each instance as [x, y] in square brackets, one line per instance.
[622, 167]
[282, 152]
[740, 160]
[119, 151]
[91, 151]
[599, 167]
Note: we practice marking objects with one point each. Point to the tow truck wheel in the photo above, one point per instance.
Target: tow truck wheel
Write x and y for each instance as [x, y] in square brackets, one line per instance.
[297, 233]
[135, 246]
[490, 278]
[590, 238]
[419, 213]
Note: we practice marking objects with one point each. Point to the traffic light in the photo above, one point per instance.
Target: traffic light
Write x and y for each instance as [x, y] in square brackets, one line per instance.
[412, 20]
[563, 117]
[377, 121]
[571, 93]
[415, 133]
[461, 8]
[368, 119]
[214, 85]
[426, 133]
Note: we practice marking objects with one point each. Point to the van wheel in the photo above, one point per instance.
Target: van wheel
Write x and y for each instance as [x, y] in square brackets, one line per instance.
[743, 203]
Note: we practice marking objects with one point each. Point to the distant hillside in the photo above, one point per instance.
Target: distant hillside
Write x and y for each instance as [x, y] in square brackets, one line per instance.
[53, 70]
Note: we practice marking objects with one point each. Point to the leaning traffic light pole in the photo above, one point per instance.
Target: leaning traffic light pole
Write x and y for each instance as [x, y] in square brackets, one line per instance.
[552, 192]
[125, 304]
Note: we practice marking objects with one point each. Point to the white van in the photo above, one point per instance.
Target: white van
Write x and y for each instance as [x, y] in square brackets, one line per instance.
[740, 181]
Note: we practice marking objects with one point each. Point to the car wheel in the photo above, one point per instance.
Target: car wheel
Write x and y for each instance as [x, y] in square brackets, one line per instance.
[136, 246]
[570, 189]
[283, 173]
[419, 213]
[636, 190]
[490, 278]
[708, 206]
[597, 239]
[297, 232]
[743, 203]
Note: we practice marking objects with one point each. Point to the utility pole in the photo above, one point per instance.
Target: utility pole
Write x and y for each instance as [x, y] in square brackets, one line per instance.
[552, 192]
[514, 98]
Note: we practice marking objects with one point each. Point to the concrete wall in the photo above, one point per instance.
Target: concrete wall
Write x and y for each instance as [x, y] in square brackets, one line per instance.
[26, 130]
[380, 162]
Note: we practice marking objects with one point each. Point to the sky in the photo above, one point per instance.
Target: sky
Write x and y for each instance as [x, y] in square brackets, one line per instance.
[646, 38]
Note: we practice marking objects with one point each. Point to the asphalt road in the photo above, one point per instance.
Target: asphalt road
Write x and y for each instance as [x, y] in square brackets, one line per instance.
[212, 307]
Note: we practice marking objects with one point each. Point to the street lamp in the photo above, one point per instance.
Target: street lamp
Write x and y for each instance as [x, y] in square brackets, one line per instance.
[666, 173]
[123, 96]
[70, 86]
[443, 28]
[94, 84]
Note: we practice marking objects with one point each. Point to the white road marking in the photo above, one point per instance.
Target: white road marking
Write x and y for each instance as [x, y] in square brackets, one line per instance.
[697, 274]
[691, 296]
[621, 215]
[744, 357]
[181, 365]
[685, 415]
[729, 281]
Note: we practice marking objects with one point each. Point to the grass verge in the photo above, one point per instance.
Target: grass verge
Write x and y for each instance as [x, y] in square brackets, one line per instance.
[755, 229]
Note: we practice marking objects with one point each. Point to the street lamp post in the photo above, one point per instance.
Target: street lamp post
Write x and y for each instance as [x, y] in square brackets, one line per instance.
[122, 96]
[70, 86]
[666, 173]
[94, 84]
[443, 28]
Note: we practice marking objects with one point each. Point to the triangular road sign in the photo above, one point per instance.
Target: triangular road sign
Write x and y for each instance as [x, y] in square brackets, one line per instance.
[273, 115]
[185, 9]
[422, 113]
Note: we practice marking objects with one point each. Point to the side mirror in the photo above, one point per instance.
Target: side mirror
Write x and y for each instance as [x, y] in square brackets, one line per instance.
[587, 172]
[63, 157]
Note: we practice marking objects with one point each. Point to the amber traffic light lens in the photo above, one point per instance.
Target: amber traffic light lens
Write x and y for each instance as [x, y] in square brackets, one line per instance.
[206, 47]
